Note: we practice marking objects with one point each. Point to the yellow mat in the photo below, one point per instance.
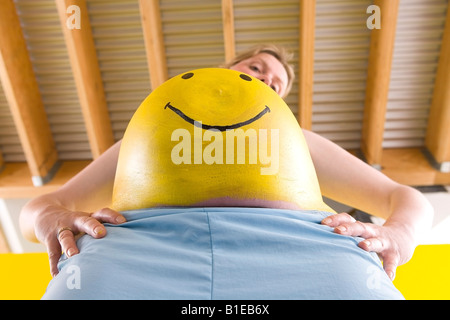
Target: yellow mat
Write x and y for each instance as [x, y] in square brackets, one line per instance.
[426, 276]
[23, 276]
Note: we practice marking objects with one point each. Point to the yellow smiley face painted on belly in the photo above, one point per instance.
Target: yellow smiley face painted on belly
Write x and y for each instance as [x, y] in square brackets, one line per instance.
[215, 137]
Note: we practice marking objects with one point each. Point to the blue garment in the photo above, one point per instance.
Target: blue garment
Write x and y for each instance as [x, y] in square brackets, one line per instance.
[221, 253]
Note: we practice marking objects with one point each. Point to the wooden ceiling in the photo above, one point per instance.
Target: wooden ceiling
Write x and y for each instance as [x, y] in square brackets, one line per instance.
[44, 170]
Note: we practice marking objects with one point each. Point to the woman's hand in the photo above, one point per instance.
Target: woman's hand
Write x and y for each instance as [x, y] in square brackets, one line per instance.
[392, 242]
[57, 228]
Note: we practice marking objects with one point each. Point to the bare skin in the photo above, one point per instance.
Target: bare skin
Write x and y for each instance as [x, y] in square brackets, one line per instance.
[346, 179]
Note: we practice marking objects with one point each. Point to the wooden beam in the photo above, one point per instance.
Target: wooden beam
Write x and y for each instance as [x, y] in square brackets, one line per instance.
[15, 179]
[23, 96]
[228, 29]
[408, 166]
[2, 162]
[154, 41]
[77, 31]
[378, 77]
[306, 62]
[437, 139]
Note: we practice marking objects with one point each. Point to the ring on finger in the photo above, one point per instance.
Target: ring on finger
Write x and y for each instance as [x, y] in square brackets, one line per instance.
[60, 230]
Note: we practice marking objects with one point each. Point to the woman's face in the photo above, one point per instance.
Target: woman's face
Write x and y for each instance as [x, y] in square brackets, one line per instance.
[266, 68]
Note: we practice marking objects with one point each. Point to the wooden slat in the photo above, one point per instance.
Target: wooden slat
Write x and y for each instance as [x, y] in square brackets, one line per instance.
[409, 166]
[378, 77]
[2, 162]
[23, 96]
[15, 179]
[228, 29]
[306, 62]
[438, 132]
[86, 71]
[154, 41]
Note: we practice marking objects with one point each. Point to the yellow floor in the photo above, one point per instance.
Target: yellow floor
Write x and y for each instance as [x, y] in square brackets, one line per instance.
[426, 276]
[23, 276]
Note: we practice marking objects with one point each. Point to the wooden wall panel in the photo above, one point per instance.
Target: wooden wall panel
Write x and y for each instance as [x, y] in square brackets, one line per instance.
[154, 41]
[174, 39]
[228, 29]
[306, 62]
[378, 76]
[341, 55]
[420, 25]
[438, 132]
[85, 68]
[24, 98]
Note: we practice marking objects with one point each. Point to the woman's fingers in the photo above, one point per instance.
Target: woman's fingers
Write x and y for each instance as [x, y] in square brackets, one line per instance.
[381, 246]
[376, 239]
[64, 239]
[345, 224]
[390, 264]
[54, 253]
[108, 215]
[358, 229]
[92, 224]
[335, 220]
[89, 225]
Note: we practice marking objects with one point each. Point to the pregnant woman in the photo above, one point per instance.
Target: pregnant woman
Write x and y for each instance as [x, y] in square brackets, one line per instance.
[218, 195]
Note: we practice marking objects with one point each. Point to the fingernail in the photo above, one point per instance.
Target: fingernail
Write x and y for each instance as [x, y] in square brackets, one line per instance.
[341, 228]
[391, 276]
[70, 252]
[326, 221]
[120, 219]
[98, 231]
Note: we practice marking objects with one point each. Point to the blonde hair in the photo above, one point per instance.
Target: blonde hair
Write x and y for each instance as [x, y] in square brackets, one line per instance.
[280, 53]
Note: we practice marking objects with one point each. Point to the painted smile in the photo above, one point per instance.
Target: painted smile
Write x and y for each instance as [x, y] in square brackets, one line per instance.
[220, 128]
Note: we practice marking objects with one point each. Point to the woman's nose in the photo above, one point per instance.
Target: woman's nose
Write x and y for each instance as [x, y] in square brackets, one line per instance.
[266, 80]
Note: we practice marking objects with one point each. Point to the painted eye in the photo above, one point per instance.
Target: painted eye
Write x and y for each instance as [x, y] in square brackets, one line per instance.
[245, 77]
[187, 75]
